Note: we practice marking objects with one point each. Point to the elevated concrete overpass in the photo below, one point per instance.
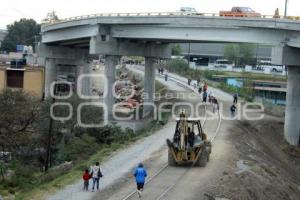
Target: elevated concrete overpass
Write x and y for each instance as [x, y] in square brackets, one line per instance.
[174, 28]
[148, 35]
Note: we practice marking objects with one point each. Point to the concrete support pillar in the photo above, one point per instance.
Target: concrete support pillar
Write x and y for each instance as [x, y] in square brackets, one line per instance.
[85, 68]
[292, 112]
[50, 75]
[110, 74]
[149, 85]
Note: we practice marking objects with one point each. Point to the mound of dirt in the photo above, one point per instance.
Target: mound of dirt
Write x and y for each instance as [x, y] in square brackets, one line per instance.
[264, 168]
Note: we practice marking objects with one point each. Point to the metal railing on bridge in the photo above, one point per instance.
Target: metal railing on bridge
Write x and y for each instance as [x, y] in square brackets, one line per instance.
[145, 14]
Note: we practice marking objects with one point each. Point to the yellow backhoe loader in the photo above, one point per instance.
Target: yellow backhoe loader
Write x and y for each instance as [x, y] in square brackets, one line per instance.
[190, 144]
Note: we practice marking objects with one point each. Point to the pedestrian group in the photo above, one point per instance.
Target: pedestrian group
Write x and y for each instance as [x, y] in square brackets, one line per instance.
[95, 173]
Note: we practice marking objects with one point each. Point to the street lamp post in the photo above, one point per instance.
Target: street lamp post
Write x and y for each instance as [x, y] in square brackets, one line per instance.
[285, 8]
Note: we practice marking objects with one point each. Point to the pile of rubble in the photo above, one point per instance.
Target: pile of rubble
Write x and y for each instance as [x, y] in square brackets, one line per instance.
[129, 90]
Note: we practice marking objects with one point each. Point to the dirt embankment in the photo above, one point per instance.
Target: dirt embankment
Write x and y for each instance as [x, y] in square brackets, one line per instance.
[264, 169]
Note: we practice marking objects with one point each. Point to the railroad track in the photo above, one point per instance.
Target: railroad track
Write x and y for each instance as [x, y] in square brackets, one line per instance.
[147, 182]
[175, 176]
[164, 193]
[167, 172]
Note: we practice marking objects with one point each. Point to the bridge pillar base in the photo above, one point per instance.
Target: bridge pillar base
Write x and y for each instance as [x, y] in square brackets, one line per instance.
[149, 86]
[110, 74]
[292, 112]
[85, 85]
[50, 75]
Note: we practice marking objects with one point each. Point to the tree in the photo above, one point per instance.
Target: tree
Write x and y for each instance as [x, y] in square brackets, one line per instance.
[20, 32]
[19, 114]
[231, 52]
[176, 50]
[247, 54]
[240, 54]
[177, 65]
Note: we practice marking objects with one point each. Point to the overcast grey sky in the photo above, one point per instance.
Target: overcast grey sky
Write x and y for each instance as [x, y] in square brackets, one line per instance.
[12, 10]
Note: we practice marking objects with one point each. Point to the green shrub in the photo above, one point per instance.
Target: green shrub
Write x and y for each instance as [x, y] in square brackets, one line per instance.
[177, 65]
[25, 171]
[81, 147]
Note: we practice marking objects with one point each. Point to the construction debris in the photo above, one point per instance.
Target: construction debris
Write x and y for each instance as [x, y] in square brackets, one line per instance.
[129, 89]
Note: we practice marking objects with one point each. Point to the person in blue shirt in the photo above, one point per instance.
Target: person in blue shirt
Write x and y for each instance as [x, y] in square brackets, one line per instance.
[140, 174]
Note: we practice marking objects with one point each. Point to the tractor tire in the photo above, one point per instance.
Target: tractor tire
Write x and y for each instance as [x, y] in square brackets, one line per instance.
[171, 160]
[208, 150]
[201, 162]
[208, 155]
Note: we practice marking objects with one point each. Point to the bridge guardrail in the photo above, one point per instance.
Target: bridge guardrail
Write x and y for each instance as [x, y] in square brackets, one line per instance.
[145, 14]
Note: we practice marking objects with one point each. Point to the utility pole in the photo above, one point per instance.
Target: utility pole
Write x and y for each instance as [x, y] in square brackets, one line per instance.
[256, 52]
[48, 161]
[49, 142]
[285, 8]
[189, 56]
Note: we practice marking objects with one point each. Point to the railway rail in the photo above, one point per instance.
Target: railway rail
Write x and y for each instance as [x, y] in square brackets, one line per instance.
[166, 171]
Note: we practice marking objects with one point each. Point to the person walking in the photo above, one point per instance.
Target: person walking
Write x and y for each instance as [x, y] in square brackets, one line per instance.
[200, 90]
[166, 75]
[210, 96]
[140, 175]
[96, 174]
[235, 98]
[198, 81]
[276, 14]
[189, 81]
[215, 104]
[195, 85]
[201, 85]
[205, 86]
[86, 179]
[232, 110]
[191, 137]
[204, 97]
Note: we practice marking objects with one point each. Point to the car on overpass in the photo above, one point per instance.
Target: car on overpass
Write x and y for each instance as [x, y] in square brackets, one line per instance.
[188, 10]
[240, 12]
